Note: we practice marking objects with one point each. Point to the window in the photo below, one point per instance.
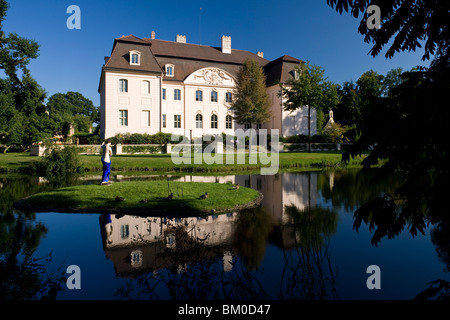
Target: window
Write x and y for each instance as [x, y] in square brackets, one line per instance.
[164, 94]
[170, 70]
[124, 231]
[145, 118]
[135, 58]
[247, 126]
[258, 126]
[213, 121]
[213, 96]
[163, 120]
[199, 121]
[199, 95]
[228, 122]
[123, 117]
[177, 94]
[123, 85]
[229, 97]
[177, 121]
[145, 87]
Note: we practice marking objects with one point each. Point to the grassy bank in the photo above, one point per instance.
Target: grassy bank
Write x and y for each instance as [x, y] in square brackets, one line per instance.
[143, 197]
[20, 162]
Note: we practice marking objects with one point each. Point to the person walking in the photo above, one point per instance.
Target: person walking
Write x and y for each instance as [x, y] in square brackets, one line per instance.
[106, 161]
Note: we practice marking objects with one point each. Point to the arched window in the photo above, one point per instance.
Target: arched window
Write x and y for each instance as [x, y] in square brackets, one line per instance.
[170, 70]
[214, 121]
[228, 122]
[199, 95]
[145, 87]
[123, 85]
[199, 121]
[135, 57]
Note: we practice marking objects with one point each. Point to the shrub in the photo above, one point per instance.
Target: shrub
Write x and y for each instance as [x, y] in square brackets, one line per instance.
[334, 133]
[59, 162]
[141, 138]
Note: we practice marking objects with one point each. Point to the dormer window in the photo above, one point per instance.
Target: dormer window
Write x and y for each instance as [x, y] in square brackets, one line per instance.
[135, 58]
[170, 70]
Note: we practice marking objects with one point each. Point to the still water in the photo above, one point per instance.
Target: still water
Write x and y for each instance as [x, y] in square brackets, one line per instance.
[300, 244]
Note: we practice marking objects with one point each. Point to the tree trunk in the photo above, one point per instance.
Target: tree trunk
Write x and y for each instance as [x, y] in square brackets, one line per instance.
[250, 142]
[309, 128]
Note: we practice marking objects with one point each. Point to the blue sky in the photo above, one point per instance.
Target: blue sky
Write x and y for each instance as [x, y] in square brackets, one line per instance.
[71, 60]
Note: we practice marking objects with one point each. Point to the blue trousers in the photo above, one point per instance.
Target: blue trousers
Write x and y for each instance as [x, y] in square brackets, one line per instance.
[106, 171]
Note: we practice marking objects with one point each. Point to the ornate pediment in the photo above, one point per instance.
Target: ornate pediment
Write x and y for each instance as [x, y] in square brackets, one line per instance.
[210, 76]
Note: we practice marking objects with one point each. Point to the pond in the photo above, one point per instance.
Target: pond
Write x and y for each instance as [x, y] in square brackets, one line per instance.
[299, 244]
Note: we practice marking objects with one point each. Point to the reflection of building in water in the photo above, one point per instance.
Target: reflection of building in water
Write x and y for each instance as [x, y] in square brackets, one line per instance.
[137, 244]
[280, 190]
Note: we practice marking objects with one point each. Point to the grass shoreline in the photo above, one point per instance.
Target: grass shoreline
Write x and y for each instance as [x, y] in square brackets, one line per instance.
[144, 198]
[21, 163]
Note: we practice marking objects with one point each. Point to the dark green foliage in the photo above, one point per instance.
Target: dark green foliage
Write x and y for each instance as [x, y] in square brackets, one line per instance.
[251, 102]
[22, 112]
[408, 124]
[72, 108]
[310, 89]
[141, 138]
[405, 25]
[59, 162]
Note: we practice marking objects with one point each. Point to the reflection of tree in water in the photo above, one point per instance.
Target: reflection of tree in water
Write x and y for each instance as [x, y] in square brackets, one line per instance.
[308, 272]
[22, 276]
[352, 188]
[251, 234]
[439, 289]
[252, 231]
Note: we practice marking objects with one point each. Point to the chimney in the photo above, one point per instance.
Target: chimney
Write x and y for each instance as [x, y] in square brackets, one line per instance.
[153, 35]
[181, 39]
[260, 54]
[106, 59]
[226, 44]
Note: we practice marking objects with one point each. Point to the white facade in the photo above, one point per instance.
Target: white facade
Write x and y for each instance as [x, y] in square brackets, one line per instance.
[139, 103]
[150, 86]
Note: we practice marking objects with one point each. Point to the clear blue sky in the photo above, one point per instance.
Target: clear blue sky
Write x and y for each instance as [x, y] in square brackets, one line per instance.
[71, 60]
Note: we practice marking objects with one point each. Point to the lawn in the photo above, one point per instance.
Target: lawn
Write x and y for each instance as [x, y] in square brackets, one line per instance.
[164, 163]
[101, 199]
[18, 162]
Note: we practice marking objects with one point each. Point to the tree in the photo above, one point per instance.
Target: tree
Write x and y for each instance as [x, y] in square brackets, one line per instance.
[408, 127]
[71, 108]
[251, 103]
[348, 111]
[22, 112]
[310, 89]
[408, 22]
[358, 98]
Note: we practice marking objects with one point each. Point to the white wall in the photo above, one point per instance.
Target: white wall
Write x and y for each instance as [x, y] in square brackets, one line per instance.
[136, 101]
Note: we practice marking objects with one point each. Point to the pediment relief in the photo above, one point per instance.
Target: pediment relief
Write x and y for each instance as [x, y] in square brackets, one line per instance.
[210, 76]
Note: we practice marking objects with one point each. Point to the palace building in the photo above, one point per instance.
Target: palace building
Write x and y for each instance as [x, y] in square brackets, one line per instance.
[149, 85]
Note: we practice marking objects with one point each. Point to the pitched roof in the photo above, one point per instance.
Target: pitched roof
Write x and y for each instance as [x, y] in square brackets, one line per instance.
[120, 57]
[188, 58]
[201, 52]
[280, 70]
